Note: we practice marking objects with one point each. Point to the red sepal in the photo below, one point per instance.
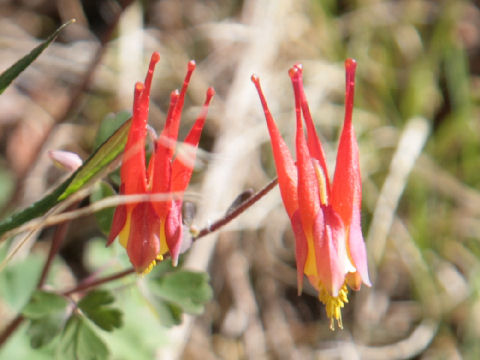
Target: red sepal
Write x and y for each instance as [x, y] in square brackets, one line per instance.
[174, 230]
[143, 244]
[286, 169]
[301, 248]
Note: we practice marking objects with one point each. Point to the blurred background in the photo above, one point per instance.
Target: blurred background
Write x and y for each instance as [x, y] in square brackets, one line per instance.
[416, 117]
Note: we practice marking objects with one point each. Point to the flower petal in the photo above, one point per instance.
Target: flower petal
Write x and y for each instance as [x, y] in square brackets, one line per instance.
[184, 162]
[161, 179]
[143, 244]
[301, 248]
[286, 169]
[308, 191]
[356, 248]
[133, 171]
[165, 147]
[170, 131]
[313, 142]
[174, 230]
[330, 270]
[119, 220]
[347, 183]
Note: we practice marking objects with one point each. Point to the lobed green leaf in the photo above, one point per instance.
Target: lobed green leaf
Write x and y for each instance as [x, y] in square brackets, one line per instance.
[47, 312]
[79, 341]
[42, 331]
[44, 303]
[169, 313]
[187, 289]
[95, 306]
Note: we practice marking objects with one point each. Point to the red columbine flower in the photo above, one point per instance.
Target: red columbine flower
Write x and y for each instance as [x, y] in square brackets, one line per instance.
[325, 216]
[149, 229]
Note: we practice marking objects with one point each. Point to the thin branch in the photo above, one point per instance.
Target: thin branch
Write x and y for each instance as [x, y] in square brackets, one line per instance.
[237, 211]
[88, 284]
[74, 101]
[57, 239]
[93, 283]
[105, 203]
[10, 329]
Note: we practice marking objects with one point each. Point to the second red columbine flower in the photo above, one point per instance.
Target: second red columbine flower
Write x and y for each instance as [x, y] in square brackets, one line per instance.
[150, 229]
[325, 216]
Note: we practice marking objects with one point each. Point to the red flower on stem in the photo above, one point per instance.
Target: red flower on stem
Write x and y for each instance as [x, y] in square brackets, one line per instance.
[150, 229]
[325, 216]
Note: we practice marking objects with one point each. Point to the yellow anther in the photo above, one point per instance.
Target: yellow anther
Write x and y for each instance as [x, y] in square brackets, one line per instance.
[333, 304]
[149, 268]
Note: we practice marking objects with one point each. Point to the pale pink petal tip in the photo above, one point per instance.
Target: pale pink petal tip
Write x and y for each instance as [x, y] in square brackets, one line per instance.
[66, 160]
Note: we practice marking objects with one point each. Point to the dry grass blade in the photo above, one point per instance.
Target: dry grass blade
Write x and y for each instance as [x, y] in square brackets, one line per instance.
[409, 148]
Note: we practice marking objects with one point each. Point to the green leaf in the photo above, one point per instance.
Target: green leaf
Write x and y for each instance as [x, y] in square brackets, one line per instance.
[16, 69]
[109, 125]
[43, 303]
[187, 289]
[95, 306]
[18, 280]
[79, 341]
[169, 313]
[91, 168]
[164, 267]
[6, 185]
[101, 157]
[47, 312]
[42, 331]
[105, 216]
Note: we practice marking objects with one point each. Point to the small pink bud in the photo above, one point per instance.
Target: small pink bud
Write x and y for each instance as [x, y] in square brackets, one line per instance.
[66, 160]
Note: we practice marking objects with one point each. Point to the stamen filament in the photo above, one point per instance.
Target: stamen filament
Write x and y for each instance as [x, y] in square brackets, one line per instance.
[333, 304]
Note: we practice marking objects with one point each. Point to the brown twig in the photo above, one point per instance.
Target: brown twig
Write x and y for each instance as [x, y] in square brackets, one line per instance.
[74, 101]
[88, 284]
[237, 211]
[10, 329]
[57, 239]
[93, 283]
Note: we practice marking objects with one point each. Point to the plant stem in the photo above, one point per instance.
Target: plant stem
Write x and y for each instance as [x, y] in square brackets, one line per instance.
[237, 211]
[10, 329]
[93, 283]
[88, 284]
[74, 101]
[58, 237]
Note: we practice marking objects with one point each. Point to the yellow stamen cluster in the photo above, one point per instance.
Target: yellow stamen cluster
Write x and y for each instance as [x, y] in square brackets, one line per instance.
[163, 249]
[333, 304]
[152, 265]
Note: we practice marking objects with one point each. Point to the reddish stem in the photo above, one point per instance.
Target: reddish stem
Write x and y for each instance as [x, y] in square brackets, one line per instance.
[88, 284]
[93, 283]
[57, 239]
[10, 329]
[237, 211]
